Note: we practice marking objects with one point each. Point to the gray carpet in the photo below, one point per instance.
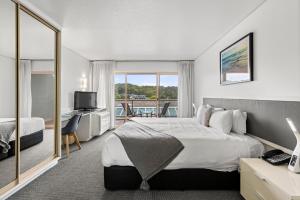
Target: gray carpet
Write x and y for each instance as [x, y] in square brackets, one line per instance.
[81, 177]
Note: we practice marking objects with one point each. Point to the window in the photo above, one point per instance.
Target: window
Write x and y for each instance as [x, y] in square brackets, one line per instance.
[145, 93]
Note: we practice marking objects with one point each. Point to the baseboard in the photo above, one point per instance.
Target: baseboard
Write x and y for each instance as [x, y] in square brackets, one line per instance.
[26, 181]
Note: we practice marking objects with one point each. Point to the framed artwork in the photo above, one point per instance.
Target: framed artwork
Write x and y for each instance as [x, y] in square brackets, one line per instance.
[236, 61]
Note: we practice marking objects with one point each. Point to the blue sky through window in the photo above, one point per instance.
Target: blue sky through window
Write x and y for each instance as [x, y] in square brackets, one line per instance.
[169, 80]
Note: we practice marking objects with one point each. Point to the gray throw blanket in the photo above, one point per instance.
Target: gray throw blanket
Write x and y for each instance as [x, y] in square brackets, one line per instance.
[150, 151]
[6, 130]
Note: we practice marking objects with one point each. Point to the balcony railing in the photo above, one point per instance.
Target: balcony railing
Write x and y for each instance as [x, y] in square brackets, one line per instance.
[144, 106]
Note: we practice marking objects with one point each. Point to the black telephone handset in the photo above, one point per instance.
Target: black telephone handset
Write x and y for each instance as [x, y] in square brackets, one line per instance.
[276, 157]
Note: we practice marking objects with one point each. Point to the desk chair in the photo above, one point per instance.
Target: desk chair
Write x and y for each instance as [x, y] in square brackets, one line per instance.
[70, 130]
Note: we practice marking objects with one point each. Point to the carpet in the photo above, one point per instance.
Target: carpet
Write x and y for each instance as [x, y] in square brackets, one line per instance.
[81, 177]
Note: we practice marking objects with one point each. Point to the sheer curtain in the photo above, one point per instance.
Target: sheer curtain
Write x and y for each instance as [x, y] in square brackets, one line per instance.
[185, 88]
[25, 81]
[102, 78]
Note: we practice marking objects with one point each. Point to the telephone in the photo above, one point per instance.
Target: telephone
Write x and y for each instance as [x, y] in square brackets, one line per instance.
[276, 157]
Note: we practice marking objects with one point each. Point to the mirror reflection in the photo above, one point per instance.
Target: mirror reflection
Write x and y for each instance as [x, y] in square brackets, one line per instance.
[37, 91]
[7, 92]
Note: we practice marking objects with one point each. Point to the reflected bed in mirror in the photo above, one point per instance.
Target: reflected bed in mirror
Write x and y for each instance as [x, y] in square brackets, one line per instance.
[27, 79]
[8, 100]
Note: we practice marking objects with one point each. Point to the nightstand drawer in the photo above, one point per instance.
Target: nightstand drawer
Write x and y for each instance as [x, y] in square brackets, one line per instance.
[255, 186]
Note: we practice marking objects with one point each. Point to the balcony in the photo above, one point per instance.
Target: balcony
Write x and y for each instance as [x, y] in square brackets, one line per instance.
[146, 106]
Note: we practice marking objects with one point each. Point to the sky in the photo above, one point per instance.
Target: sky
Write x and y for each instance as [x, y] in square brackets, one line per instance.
[149, 79]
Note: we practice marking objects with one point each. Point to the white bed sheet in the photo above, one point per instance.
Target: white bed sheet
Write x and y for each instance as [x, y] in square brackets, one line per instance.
[27, 125]
[203, 147]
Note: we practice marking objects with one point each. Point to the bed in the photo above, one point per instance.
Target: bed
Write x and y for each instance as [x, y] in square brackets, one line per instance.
[31, 134]
[209, 160]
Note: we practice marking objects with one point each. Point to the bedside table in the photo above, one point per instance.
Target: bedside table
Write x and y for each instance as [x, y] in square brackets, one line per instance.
[263, 181]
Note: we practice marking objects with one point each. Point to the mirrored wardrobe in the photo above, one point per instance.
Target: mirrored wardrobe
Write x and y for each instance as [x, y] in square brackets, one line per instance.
[29, 94]
[8, 92]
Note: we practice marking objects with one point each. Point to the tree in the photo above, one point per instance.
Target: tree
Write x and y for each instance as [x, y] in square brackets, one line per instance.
[169, 92]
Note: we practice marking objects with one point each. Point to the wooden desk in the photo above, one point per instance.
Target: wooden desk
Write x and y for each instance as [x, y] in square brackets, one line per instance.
[92, 123]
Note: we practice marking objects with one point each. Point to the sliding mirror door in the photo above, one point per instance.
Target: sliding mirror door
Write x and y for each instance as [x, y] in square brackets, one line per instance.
[37, 92]
[8, 100]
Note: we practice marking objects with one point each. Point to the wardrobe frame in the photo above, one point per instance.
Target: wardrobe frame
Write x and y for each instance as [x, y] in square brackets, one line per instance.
[24, 178]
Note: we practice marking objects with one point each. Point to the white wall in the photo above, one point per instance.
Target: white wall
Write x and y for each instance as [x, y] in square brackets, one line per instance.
[73, 66]
[7, 87]
[276, 27]
[150, 66]
[38, 66]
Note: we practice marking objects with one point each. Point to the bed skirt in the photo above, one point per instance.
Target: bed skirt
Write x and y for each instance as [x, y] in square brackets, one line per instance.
[25, 142]
[128, 178]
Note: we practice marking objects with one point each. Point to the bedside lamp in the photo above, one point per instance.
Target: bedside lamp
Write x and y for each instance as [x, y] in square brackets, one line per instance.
[294, 165]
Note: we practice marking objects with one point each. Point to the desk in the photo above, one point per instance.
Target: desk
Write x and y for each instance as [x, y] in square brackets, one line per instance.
[92, 123]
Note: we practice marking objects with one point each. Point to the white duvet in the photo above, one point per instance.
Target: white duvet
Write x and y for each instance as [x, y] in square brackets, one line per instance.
[203, 147]
[27, 125]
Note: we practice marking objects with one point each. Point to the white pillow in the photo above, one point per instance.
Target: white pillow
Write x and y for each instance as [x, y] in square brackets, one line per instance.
[239, 122]
[222, 121]
[203, 114]
[215, 109]
[218, 109]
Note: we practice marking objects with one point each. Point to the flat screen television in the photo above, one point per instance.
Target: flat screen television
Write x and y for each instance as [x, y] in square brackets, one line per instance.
[85, 100]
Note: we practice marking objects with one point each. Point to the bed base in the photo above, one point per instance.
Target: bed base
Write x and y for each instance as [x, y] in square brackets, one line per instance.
[128, 178]
[26, 141]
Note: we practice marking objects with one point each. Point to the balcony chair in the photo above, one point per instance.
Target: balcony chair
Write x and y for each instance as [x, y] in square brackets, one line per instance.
[70, 130]
[130, 113]
[164, 110]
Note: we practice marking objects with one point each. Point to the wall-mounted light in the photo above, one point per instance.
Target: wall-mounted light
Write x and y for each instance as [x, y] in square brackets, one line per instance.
[83, 82]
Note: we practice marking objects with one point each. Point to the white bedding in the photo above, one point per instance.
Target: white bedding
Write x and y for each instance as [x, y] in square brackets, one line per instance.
[27, 125]
[203, 147]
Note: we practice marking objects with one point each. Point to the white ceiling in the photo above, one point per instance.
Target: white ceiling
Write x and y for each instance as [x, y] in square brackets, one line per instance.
[37, 40]
[144, 29]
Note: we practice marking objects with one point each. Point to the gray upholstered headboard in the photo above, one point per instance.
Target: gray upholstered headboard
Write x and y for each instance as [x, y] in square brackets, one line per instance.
[266, 118]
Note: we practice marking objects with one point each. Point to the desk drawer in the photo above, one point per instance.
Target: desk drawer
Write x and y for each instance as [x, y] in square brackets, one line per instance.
[255, 186]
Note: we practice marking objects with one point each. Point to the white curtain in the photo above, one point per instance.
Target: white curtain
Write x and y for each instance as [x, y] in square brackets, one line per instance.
[185, 88]
[102, 77]
[25, 81]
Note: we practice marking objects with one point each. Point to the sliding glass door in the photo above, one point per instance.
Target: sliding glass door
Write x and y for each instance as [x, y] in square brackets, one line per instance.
[142, 94]
[145, 95]
[168, 93]
[120, 95]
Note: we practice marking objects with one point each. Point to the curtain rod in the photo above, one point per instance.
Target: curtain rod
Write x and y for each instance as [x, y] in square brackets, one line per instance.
[143, 60]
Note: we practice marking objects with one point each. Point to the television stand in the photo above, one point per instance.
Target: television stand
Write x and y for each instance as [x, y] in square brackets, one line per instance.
[93, 123]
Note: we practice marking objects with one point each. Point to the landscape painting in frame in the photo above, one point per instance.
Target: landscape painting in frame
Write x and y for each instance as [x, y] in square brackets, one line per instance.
[236, 61]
